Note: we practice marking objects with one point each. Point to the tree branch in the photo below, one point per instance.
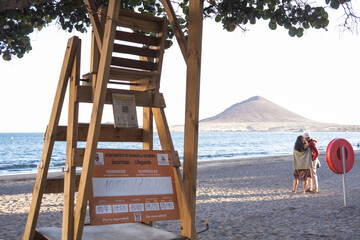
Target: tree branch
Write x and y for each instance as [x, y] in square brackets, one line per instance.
[6, 4]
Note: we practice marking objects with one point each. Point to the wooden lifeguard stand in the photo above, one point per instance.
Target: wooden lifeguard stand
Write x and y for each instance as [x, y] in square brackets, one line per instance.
[143, 77]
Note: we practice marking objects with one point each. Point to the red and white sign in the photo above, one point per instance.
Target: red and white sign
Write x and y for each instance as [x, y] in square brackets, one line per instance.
[132, 186]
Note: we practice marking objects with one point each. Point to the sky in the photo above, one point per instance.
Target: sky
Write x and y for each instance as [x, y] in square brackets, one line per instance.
[316, 76]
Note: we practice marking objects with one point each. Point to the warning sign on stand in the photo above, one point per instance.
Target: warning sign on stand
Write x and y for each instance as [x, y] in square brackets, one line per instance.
[132, 186]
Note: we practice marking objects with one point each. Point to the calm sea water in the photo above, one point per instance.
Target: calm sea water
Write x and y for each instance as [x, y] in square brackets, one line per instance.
[21, 152]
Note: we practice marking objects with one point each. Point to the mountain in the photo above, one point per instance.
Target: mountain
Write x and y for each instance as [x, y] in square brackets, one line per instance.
[260, 114]
[256, 109]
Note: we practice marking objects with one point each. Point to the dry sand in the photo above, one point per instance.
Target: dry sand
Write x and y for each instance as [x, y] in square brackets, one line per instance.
[241, 199]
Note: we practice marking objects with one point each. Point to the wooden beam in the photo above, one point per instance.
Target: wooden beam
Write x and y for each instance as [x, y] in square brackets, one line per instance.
[167, 144]
[192, 110]
[164, 133]
[148, 126]
[174, 23]
[40, 180]
[108, 133]
[71, 144]
[95, 22]
[56, 185]
[95, 52]
[96, 115]
[142, 99]
[143, 22]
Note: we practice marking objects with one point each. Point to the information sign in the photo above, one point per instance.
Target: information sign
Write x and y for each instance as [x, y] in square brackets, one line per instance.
[132, 186]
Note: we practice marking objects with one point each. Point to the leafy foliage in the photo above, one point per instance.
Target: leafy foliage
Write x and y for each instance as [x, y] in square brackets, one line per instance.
[292, 15]
[17, 24]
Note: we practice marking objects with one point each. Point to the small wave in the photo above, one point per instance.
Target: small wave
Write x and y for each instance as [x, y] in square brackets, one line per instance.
[17, 166]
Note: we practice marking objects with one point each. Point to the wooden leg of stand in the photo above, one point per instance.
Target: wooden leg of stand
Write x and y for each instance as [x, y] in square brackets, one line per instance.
[41, 177]
[167, 144]
[71, 144]
[96, 115]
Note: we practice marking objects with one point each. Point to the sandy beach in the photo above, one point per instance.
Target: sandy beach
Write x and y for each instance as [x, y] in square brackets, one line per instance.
[241, 199]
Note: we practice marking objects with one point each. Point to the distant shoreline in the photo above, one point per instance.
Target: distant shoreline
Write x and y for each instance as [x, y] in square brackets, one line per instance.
[270, 127]
[230, 128]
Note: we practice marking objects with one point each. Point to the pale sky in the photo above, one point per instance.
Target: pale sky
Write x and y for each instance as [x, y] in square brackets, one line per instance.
[316, 76]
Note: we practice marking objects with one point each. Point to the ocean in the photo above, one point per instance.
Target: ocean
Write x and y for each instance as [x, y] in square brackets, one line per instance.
[21, 152]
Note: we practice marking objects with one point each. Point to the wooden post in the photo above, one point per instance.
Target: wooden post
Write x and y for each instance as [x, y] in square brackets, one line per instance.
[97, 26]
[95, 122]
[167, 144]
[148, 128]
[71, 144]
[192, 109]
[95, 52]
[41, 177]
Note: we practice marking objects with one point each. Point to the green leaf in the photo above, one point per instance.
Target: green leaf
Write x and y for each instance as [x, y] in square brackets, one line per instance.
[7, 57]
[272, 25]
[292, 32]
[300, 32]
[218, 18]
[306, 25]
[334, 4]
[252, 20]
[287, 25]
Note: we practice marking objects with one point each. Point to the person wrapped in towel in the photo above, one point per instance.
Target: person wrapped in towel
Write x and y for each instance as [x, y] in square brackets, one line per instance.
[302, 162]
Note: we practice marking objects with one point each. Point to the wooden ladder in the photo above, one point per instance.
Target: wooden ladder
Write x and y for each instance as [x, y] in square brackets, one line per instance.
[143, 78]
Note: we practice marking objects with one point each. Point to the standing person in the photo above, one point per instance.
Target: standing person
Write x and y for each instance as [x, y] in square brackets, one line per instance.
[313, 185]
[302, 162]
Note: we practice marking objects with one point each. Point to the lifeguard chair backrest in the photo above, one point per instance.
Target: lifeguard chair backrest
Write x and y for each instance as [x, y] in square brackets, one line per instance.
[139, 47]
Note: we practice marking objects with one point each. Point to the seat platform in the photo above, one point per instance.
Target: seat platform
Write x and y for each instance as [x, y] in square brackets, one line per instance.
[125, 231]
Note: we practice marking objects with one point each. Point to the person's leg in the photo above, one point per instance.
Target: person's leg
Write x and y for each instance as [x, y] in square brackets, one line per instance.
[304, 186]
[309, 184]
[315, 185]
[295, 185]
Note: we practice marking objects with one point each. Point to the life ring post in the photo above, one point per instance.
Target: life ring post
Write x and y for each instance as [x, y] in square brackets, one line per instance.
[343, 174]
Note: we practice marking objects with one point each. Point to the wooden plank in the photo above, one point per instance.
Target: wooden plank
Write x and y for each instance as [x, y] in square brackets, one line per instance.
[137, 38]
[132, 75]
[95, 122]
[95, 22]
[143, 99]
[78, 156]
[148, 143]
[40, 180]
[131, 63]
[167, 144]
[139, 51]
[108, 133]
[125, 231]
[95, 52]
[148, 127]
[164, 133]
[71, 144]
[56, 185]
[159, 60]
[174, 23]
[136, 21]
[192, 112]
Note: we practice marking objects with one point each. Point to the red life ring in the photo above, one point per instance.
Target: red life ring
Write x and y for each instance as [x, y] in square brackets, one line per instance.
[334, 155]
